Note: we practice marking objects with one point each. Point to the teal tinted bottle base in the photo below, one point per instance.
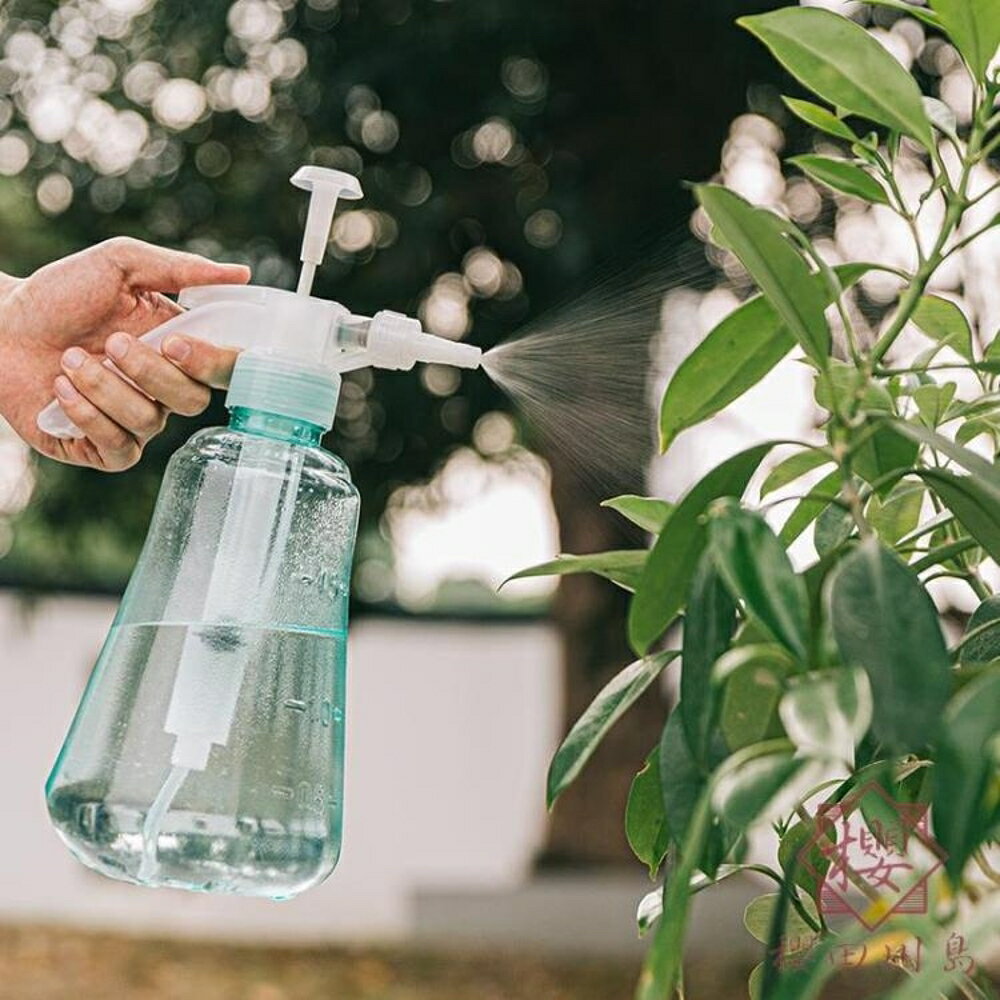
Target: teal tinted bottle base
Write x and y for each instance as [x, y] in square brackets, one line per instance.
[250, 858]
[183, 829]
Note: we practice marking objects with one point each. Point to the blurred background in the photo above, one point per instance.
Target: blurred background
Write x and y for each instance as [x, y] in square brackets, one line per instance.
[515, 156]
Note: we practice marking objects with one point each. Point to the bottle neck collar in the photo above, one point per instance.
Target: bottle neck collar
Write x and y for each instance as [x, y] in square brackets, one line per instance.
[272, 425]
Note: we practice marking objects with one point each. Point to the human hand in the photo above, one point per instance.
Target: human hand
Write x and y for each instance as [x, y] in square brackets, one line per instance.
[57, 326]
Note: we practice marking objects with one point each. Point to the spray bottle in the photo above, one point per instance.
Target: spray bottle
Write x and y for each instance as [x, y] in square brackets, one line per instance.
[207, 751]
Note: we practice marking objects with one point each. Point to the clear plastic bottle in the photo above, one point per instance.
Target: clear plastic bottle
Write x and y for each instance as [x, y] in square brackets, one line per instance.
[233, 625]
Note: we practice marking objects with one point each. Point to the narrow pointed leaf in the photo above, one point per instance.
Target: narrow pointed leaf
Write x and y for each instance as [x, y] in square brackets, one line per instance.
[985, 471]
[672, 561]
[611, 703]
[649, 513]
[820, 118]
[791, 468]
[775, 265]
[842, 176]
[840, 62]
[621, 566]
[885, 622]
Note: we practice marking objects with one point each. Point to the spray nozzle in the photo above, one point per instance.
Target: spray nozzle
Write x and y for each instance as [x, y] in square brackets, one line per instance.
[396, 342]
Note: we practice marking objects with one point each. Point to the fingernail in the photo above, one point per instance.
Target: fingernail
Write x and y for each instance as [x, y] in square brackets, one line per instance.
[65, 389]
[74, 358]
[117, 345]
[176, 348]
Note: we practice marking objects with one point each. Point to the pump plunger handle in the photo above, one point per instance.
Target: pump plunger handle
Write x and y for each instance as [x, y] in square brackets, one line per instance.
[325, 186]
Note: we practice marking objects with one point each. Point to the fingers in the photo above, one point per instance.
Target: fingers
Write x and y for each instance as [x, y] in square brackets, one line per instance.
[135, 414]
[148, 266]
[204, 362]
[116, 448]
[156, 376]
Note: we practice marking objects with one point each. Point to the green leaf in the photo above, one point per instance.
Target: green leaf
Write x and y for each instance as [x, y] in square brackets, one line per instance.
[986, 646]
[942, 320]
[649, 513]
[842, 176]
[611, 703]
[623, 567]
[756, 569]
[748, 783]
[933, 401]
[752, 691]
[840, 62]
[828, 711]
[942, 555]
[662, 967]
[645, 821]
[791, 468]
[985, 471]
[759, 914]
[708, 626]
[883, 452]
[809, 508]
[975, 505]
[682, 781]
[736, 354]
[775, 265]
[963, 770]
[833, 527]
[898, 514]
[797, 839]
[974, 27]
[819, 117]
[884, 621]
[972, 429]
[672, 561]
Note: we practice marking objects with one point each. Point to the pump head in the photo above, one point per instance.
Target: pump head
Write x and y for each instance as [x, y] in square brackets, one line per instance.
[295, 346]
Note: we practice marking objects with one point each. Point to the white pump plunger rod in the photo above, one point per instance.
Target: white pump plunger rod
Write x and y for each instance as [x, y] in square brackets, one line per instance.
[325, 187]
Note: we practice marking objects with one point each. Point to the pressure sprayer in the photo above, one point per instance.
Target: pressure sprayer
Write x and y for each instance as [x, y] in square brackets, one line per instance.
[207, 751]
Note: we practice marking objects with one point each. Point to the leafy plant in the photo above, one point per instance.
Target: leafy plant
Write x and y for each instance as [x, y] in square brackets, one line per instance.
[802, 685]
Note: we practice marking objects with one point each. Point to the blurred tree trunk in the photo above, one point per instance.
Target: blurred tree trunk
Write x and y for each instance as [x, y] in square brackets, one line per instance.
[586, 826]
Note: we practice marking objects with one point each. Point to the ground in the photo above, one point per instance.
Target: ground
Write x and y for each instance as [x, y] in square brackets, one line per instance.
[43, 963]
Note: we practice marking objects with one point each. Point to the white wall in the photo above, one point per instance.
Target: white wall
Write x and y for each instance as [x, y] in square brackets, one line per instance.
[449, 731]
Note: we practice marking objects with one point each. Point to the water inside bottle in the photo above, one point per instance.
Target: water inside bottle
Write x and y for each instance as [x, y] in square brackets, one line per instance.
[242, 824]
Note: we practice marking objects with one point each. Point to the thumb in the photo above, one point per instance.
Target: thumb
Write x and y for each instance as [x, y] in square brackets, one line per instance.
[203, 361]
[158, 269]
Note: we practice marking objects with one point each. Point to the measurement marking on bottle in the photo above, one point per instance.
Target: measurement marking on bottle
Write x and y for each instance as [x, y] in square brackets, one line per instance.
[296, 704]
[283, 792]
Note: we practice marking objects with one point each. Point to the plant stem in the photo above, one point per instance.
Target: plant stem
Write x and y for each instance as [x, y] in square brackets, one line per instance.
[957, 203]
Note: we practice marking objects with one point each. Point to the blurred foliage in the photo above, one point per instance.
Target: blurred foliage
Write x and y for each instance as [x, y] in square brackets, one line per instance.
[506, 147]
